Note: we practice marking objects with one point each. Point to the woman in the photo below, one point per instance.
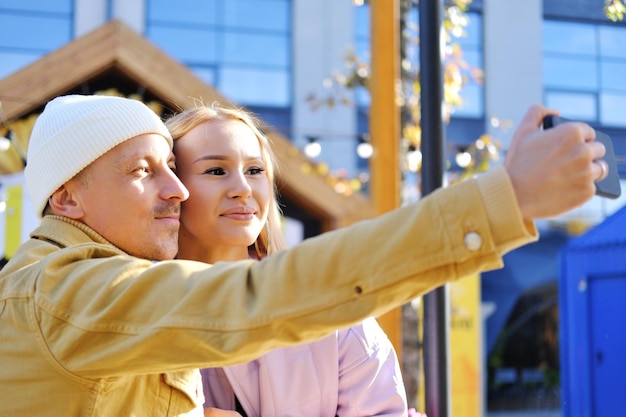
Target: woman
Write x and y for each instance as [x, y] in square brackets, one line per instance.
[232, 213]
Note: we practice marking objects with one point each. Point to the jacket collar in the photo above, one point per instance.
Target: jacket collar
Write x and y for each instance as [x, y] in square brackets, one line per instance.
[65, 232]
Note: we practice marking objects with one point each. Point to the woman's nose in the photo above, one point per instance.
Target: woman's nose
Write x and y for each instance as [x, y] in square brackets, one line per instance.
[239, 187]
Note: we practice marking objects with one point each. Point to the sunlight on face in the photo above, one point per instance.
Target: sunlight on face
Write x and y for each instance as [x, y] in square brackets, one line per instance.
[221, 164]
[133, 197]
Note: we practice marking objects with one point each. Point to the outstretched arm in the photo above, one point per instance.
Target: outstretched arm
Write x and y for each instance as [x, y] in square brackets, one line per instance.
[331, 281]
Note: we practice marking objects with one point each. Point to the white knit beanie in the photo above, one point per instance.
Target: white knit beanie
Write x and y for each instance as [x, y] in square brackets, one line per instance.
[75, 130]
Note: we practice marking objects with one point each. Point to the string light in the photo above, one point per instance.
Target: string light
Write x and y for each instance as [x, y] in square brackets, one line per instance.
[364, 149]
[5, 143]
[414, 158]
[463, 158]
[313, 148]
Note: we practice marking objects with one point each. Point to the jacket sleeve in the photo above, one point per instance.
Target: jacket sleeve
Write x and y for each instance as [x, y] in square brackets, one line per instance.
[102, 313]
[370, 381]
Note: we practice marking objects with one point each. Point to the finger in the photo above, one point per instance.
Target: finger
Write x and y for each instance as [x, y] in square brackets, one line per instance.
[601, 169]
[529, 125]
[597, 149]
[533, 119]
[588, 132]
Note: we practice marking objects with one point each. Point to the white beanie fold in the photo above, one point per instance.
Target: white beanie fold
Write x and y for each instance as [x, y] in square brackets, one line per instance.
[75, 130]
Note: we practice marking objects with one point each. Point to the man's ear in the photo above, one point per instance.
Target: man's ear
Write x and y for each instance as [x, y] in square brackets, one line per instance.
[64, 203]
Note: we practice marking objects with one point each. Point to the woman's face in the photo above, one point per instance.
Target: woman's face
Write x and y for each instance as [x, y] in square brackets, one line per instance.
[221, 164]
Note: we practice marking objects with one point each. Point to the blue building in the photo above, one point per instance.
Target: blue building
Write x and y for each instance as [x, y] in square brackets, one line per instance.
[592, 290]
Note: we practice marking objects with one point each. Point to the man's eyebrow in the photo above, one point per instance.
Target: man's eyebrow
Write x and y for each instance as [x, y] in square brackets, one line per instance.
[134, 156]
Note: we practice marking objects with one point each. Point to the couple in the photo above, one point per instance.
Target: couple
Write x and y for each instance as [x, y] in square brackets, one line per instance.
[97, 319]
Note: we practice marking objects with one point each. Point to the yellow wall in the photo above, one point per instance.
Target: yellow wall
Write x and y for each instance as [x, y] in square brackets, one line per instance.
[13, 216]
[465, 348]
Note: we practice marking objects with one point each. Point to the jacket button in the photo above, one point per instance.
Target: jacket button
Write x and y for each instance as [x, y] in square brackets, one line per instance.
[473, 241]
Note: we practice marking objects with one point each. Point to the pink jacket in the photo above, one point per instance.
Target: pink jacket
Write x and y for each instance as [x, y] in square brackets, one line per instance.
[354, 372]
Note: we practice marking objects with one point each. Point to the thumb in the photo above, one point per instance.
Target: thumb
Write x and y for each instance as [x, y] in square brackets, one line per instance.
[531, 122]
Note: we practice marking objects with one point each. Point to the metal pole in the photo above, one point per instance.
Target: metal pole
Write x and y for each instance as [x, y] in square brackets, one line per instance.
[436, 303]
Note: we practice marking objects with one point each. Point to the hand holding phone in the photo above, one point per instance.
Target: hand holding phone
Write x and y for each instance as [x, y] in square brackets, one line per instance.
[610, 186]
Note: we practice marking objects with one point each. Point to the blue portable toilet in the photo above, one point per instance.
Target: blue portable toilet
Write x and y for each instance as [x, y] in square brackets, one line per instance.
[592, 311]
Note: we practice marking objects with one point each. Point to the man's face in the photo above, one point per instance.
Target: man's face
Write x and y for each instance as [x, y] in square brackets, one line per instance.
[131, 196]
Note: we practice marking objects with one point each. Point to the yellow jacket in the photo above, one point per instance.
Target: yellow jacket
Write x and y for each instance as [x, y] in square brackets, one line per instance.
[87, 330]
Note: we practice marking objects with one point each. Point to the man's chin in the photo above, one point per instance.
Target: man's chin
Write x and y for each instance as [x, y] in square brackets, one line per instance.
[162, 254]
[163, 248]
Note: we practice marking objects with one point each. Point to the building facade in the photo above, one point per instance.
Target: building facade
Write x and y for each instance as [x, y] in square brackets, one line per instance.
[272, 56]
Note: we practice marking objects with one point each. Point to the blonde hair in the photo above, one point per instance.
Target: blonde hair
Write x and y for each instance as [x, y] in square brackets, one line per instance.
[270, 239]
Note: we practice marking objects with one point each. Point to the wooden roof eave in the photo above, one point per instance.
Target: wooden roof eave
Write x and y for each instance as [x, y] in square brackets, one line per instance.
[114, 45]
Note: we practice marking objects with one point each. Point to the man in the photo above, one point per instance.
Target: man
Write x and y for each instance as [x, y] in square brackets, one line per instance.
[96, 320]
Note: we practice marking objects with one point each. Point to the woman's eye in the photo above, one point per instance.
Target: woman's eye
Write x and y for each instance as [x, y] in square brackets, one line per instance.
[215, 171]
[256, 171]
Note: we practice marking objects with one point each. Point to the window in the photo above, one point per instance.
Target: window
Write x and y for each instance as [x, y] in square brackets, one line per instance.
[583, 70]
[241, 47]
[30, 29]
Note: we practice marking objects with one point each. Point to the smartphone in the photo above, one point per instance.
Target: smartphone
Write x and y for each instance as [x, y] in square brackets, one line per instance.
[610, 186]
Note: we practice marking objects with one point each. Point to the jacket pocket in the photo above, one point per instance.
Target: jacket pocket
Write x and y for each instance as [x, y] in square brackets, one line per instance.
[186, 387]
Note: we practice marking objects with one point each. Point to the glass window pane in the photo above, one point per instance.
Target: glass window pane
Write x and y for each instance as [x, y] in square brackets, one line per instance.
[413, 56]
[255, 87]
[413, 21]
[473, 58]
[472, 106]
[50, 33]
[186, 45]
[613, 75]
[362, 97]
[573, 105]
[570, 73]
[241, 47]
[253, 48]
[474, 32]
[271, 15]
[613, 109]
[11, 62]
[412, 49]
[278, 118]
[362, 22]
[46, 6]
[612, 41]
[205, 74]
[567, 37]
[183, 11]
[363, 50]
[601, 75]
